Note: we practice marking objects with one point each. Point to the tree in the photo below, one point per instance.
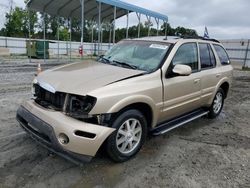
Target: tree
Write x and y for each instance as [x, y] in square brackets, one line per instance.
[3, 32]
[43, 25]
[76, 30]
[17, 22]
[64, 34]
[14, 23]
[179, 31]
[30, 20]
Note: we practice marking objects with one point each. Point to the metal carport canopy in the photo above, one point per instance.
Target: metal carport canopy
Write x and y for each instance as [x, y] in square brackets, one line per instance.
[72, 9]
[93, 10]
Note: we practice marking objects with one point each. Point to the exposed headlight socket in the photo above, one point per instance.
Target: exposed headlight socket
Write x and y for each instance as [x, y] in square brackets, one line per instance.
[79, 106]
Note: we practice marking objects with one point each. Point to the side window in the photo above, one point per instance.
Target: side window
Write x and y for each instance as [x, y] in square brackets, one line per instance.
[224, 59]
[212, 56]
[206, 56]
[187, 55]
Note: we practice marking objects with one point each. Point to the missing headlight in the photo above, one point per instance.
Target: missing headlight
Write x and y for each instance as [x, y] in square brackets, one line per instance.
[79, 106]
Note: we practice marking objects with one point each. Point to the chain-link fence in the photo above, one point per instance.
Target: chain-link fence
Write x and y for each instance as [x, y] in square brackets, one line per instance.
[238, 50]
[17, 46]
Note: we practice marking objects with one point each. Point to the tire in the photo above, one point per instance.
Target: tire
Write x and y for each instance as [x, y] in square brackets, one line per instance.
[217, 105]
[130, 134]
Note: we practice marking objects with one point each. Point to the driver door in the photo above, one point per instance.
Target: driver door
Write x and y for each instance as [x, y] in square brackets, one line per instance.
[182, 94]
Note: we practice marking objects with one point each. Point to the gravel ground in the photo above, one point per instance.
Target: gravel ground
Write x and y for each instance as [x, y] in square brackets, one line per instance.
[204, 153]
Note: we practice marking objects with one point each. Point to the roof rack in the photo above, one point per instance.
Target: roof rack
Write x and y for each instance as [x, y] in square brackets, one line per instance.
[199, 37]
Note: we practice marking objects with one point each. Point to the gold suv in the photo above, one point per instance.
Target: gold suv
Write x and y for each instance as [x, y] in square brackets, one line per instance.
[140, 86]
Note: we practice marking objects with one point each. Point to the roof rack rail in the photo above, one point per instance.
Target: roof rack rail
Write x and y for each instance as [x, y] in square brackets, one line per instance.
[199, 37]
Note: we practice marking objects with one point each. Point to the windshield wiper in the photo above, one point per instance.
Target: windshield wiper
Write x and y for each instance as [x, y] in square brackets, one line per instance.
[105, 59]
[125, 64]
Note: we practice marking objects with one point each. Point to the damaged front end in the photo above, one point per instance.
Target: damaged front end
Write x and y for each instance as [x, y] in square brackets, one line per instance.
[75, 106]
[61, 122]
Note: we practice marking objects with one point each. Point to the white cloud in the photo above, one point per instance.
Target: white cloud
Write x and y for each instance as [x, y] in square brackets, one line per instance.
[224, 18]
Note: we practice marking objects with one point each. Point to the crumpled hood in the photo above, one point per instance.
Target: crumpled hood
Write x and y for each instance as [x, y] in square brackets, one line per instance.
[81, 78]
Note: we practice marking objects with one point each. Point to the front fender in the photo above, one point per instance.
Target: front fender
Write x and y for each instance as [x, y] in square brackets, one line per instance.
[136, 99]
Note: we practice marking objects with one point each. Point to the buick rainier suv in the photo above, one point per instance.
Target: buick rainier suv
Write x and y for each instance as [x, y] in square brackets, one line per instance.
[139, 87]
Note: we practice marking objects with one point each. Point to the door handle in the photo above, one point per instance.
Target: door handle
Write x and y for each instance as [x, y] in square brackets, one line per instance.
[196, 81]
[218, 75]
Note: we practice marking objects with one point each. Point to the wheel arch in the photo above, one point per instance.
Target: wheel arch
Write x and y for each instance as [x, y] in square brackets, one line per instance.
[144, 108]
[224, 84]
[143, 104]
[225, 87]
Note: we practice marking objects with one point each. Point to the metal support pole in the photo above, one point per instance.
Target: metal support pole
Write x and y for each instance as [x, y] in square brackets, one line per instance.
[246, 55]
[157, 22]
[101, 37]
[92, 37]
[58, 39]
[6, 41]
[139, 25]
[149, 22]
[166, 29]
[67, 46]
[29, 38]
[114, 25]
[70, 38]
[99, 26]
[82, 27]
[110, 34]
[127, 24]
[44, 38]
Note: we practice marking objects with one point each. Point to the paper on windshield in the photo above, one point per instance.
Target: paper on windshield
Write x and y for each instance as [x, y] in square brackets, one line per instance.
[159, 46]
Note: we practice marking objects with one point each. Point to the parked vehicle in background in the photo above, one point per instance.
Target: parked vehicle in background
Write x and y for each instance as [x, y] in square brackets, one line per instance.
[140, 86]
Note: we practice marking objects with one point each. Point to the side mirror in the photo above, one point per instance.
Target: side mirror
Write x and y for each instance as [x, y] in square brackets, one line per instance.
[182, 70]
[225, 62]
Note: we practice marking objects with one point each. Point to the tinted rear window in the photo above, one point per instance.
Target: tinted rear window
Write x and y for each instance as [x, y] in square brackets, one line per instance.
[224, 59]
[206, 56]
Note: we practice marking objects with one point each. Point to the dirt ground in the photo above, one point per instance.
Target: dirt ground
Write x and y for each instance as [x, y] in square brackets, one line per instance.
[204, 153]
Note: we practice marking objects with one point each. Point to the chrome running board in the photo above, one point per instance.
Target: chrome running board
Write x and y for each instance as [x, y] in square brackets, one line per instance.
[178, 122]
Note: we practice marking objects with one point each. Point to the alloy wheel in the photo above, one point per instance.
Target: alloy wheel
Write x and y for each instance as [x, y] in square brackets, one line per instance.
[217, 102]
[128, 136]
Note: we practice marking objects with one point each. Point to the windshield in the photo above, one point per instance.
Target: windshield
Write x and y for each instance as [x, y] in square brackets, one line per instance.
[141, 55]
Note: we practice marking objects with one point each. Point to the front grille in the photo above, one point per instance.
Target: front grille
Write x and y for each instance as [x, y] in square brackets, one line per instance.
[49, 100]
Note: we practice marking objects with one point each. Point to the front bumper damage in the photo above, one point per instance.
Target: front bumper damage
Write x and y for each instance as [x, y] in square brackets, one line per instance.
[46, 126]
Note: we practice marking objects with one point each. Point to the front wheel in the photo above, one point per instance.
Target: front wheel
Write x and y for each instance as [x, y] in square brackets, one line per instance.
[217, 105]
[130, 134]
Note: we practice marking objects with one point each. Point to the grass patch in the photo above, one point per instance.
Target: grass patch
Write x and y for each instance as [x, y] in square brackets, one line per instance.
[246, 68]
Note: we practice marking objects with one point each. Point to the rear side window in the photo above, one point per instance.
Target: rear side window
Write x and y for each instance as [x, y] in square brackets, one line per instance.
[212, 56]
[224, 59]
[206, 56]
[187, 55]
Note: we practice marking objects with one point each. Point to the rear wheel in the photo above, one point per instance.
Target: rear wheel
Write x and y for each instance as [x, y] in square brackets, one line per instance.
[217, 105]
[130, 134]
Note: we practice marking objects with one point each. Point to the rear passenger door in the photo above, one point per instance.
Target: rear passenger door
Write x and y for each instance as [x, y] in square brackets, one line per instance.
[209, 74]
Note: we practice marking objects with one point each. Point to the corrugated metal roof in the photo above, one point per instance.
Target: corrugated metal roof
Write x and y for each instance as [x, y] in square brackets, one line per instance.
[72, 8]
